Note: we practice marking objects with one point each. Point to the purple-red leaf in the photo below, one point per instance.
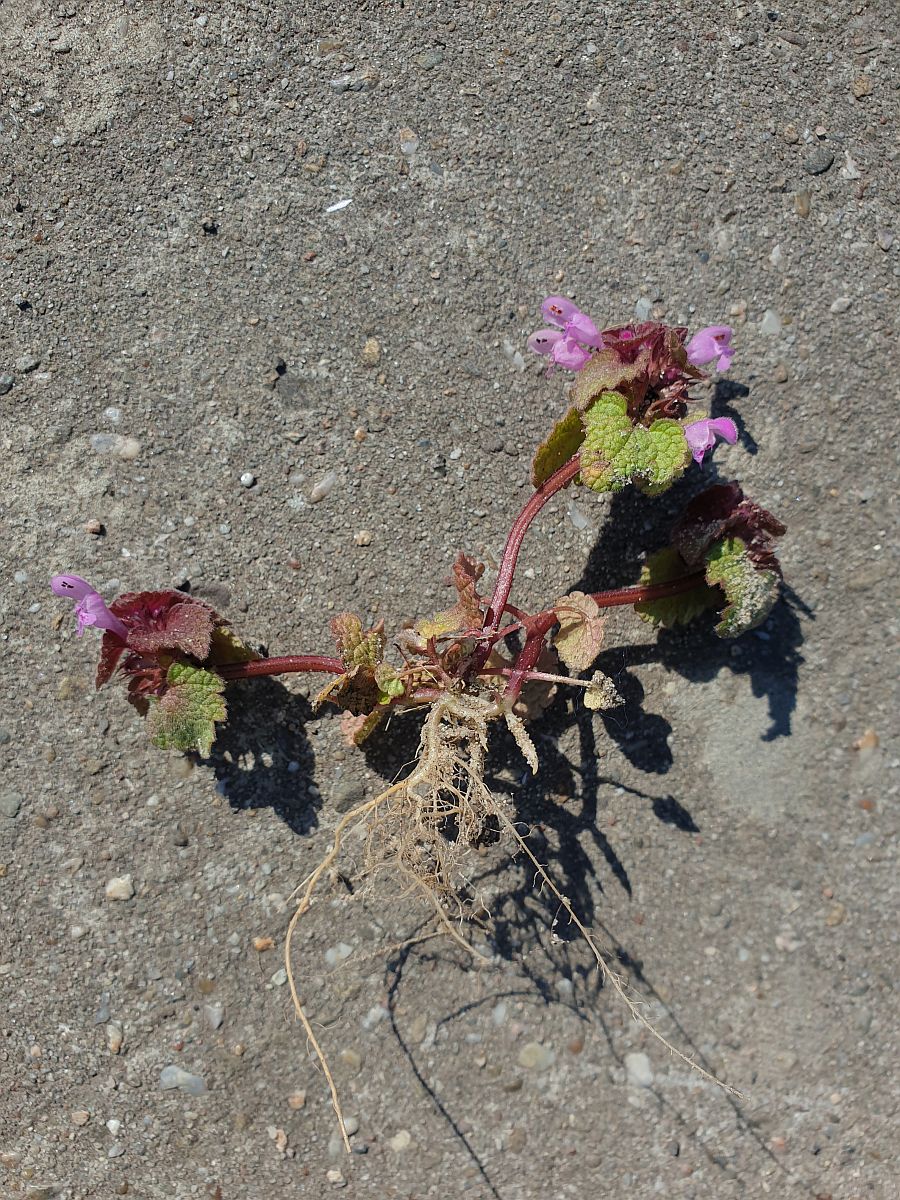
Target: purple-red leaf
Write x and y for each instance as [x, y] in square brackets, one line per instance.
[166, 620]
[723, 512]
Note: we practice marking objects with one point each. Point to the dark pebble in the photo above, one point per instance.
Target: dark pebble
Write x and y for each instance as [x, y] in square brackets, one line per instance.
[819, 161]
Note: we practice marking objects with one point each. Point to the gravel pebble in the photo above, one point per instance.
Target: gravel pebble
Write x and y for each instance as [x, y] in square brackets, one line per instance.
[6, 382]
[536, 1057]
[120, 887]
[401, 1140]
[771, 323]
[346, 794]
[214, 1014]
[248, 479]
[10, 803]
[324, 487]
[819, 161]
[176, 1077]
[337, 954]
[638, 1069]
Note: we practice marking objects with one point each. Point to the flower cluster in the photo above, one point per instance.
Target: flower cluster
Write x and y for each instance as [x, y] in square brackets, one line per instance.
[576, 339]
[575, 331]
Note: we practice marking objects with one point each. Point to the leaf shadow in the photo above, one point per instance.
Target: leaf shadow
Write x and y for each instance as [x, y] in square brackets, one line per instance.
[262, 757]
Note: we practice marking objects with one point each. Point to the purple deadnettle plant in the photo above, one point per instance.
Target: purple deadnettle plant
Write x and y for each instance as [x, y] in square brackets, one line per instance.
[484, 658]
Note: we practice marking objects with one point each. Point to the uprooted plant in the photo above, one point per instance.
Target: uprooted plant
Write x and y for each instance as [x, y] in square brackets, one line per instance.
[484, 659]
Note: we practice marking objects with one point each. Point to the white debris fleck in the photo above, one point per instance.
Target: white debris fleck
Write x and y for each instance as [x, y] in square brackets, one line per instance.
[338, 205]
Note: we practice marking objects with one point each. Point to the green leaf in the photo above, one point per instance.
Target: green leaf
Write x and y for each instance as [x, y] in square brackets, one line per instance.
[616, 452]
[558, 447]
[227, 647]
[673, 610]
[580, 634]
[390, 685]
[750, 591]
[184, 717]
[358, 649]
[466, 613]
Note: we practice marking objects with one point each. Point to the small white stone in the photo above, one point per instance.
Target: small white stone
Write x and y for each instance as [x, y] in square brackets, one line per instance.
[409, 142]
[638, 1069]
[113, 1126]
[248, 479]
[400, 1141]
[120, 887]
[643, 308]
[215, 1015]
[324, 487]
[535, 1057]
[770, 323]
[337, 954]
[841, 304]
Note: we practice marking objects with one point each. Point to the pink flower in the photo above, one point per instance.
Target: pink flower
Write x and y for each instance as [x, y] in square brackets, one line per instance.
[566, 348]
[714, 342]
[701, 435]
[90, 608]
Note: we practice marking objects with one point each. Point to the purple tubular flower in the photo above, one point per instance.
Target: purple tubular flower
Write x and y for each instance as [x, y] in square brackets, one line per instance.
[567, 349]
[701, 435]
[714, 342]
[90, 607]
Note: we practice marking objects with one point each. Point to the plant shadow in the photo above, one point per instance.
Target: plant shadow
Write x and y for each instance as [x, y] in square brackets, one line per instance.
[262, 757]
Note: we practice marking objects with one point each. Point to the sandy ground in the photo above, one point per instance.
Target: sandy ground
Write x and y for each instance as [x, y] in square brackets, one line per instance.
[180, 308]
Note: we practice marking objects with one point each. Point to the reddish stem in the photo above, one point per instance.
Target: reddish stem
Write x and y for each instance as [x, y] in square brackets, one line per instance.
[642, 593]
[507, 568]
[538, 627]
[282, 665]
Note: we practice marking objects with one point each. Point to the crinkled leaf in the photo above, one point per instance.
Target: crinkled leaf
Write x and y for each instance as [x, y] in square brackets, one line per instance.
[558, 447]
[111, 650]
[673, 610]
[616, 452]
[751, 592]
[723, 511]
[601, 693]
[466, 613]
[356, 647]
[356, 691]
[166, 620]
[226, 647]
[607, 372]
[580, 634]
[357, 729]
[390, 685]
[185, 716]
